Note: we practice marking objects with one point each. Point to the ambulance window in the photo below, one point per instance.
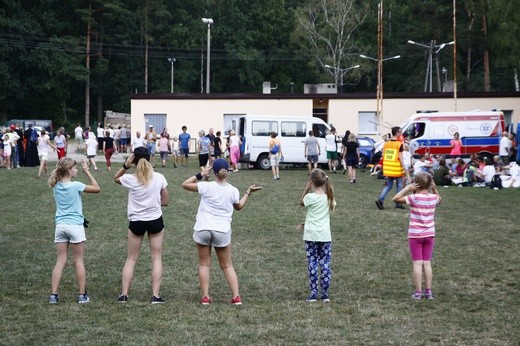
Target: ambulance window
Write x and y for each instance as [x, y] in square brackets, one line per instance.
[414, 130]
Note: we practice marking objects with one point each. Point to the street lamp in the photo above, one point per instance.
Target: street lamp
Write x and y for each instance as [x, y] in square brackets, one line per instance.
[379, 92]
[342, 71]
[208, 21]
[432, 49]
[172, 60]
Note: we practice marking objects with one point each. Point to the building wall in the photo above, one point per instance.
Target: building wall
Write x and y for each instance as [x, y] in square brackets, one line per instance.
[204, 113]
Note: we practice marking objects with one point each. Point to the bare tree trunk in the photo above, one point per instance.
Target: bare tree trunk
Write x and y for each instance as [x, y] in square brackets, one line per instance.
[517, 85]
[471, 16]
[487, 83]
[146, 48]
[87, 65]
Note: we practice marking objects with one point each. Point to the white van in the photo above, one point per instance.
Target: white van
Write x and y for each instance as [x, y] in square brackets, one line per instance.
[255, 132]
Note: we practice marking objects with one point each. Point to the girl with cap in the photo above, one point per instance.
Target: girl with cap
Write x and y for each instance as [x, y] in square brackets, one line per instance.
[213, 224]
[147, 192]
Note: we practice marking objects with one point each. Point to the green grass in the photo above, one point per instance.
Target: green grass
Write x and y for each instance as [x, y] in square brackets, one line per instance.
[476, 270]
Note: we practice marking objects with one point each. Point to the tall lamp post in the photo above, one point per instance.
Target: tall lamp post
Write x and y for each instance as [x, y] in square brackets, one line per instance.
[379, 93]
[208, 21]
[432, 48]
[342, 72]
[172, 60]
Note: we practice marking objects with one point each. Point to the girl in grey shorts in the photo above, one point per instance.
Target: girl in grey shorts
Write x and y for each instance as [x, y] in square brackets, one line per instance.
[213, 226]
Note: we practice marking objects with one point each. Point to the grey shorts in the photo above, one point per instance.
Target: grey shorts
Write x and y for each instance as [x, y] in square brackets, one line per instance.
[312, 158]
[212, 238]
[69, 234]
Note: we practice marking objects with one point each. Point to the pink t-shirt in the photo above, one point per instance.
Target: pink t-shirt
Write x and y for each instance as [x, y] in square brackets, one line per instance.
[457, 145]
[422, 213]
[163, 144]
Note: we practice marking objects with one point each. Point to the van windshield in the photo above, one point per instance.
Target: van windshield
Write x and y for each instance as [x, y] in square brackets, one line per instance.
[319, 130]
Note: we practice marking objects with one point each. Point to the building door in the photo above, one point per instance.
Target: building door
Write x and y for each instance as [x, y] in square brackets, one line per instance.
[157, 120]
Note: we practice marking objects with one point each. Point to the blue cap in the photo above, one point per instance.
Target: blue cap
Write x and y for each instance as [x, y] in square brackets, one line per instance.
[220, 164]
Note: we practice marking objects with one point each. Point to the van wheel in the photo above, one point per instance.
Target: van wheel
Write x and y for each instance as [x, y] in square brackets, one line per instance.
[363, 161]
[484, 154]
[263, 162]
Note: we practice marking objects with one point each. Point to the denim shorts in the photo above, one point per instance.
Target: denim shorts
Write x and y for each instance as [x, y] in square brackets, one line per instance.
[73, 234]
[212, 238]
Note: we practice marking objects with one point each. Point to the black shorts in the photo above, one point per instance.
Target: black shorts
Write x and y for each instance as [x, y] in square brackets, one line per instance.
[139, 228]
[203, 159]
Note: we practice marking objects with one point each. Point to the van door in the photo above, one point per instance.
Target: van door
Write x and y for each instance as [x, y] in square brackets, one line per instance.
[292, 136]
[258, 140]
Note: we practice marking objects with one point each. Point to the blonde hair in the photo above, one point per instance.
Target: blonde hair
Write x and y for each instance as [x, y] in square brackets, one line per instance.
[352, 137]
[61, 171]
[222, 174]
[424, 180]
[144, 171]
[318, 179]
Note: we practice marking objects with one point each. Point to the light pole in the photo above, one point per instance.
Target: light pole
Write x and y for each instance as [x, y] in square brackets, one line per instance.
[342, 71]
[432, 48]
[172, 60]
[208, 21]
[379, 92]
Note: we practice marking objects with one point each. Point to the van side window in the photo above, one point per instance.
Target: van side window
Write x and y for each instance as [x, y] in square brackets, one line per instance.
[320, 130]
[293, 129]
[263, 127]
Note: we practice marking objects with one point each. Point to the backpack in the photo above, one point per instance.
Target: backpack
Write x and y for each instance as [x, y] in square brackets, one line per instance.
[34, 136]
[496, 182]
[275, 149]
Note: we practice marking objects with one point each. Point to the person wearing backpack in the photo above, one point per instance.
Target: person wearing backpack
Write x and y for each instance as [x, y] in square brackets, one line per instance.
[275, 154]
[31, 147]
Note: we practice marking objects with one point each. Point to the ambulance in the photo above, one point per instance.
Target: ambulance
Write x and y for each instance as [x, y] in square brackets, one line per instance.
[479, 131]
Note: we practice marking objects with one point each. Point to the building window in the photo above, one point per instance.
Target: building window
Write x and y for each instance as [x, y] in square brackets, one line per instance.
[367, 123]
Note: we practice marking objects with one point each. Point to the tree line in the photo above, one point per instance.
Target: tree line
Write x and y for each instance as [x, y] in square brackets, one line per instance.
[70, 60]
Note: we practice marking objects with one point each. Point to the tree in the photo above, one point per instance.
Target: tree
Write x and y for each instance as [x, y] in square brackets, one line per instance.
[328, 25]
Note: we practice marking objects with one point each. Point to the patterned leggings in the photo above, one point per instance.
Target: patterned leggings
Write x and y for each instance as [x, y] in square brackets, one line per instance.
[319, 253]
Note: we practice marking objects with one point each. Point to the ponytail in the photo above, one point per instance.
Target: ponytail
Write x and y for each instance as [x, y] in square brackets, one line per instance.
[61, 170]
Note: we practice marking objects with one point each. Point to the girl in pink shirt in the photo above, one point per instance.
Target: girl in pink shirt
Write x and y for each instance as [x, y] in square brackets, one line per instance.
[456, 147]
[421, 230]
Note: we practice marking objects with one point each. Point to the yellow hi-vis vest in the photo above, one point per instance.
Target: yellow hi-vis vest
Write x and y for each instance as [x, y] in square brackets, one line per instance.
[391, 164]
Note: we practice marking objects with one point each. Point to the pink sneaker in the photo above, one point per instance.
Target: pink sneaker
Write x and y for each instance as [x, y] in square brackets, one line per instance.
[236, 301]
[206, 301]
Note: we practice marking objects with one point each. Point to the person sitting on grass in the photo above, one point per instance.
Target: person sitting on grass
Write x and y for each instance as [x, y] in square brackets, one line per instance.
[422, 197]
[442, 176]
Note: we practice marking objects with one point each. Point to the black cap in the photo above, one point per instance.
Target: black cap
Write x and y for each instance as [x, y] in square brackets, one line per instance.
[141, 153]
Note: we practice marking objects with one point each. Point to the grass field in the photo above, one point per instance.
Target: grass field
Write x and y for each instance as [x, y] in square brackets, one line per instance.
[476, 270]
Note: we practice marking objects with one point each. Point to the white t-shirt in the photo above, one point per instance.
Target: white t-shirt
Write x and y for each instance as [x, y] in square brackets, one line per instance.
[504, 143]
[488, 171]
[78, 132]
[43, 148]
[216, 206]
[330, 141]
[92, 144]
[234, 141]
[138, 142]
[419, 166]
[144, 202]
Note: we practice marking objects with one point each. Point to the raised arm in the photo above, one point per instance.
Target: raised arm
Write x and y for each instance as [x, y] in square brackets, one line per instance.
[94, 186]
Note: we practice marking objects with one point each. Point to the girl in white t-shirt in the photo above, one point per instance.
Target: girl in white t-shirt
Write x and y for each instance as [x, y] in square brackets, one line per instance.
[44, 143]
[213, 225]
[147, 193]
[316, 232]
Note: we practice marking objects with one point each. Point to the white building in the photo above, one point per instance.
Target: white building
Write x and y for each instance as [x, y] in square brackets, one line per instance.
[354, 112]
